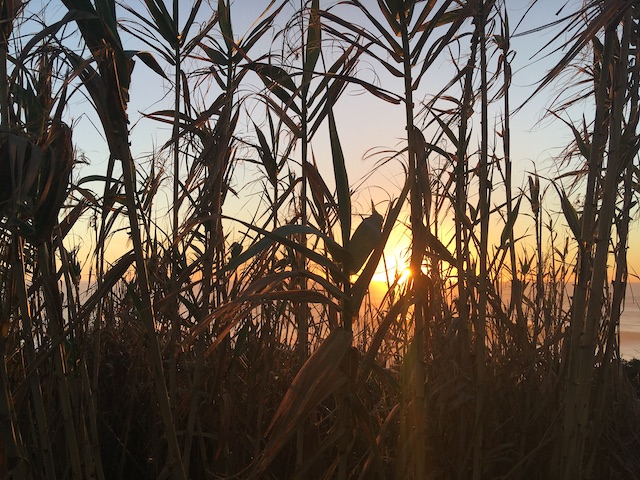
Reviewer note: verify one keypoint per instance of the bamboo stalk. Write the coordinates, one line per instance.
(483, 209)
(600, 261)
(53, 307)
(569, 458)
(418, 249)
(42, 423)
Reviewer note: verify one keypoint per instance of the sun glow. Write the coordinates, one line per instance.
(392, 269)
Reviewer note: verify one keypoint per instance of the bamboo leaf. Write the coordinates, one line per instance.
(282, 114)
(534, 194)
(390, 9)
(456, 18)
(190, 21)
(114, 275)
(263, 27)
(164, 24)
(448, 132)
(148, 59)
(392, 45)
(318, 378)
(582, 142)
(422, 18)
(385, 324)
(508, 228)
(97, 178)
(342, 182)
(266, 157)
(437, 247)
(314, 38)
(570, 214)
(224, 18)
(215, 55)
(280, 235)
(606, 14)
(271, 76)
(444, 19)
(394, 51)
(362, 283)
(364, 240)
(276, 74)
(324, 200)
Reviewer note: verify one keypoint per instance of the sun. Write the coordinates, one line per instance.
(393, 268)
(405, 274)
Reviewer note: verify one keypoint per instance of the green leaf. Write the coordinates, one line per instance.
(314, 38)
(148, 59)
(164, 23)
(266, 157)
(224, 18)
(362, 283)
(342, 182)
(364, 240)
(570, 214)
(390, 9)
(508, 228)
(281, 236)
(437, 247)
(274, 73)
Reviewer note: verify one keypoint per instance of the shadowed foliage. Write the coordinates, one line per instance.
(148, 331)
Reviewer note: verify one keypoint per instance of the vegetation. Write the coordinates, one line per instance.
(254, 347)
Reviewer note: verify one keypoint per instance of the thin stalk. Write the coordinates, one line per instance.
(4, 87)
(194, 403)
(12, 450)
(91, 438)
(302, 320)
(301, 313)
(610, 362)
(461, 175)
(120, 150)
(53, 308)
(418, 250)
(9, 449)
(506, 146)
(175, 135)
(481, 318)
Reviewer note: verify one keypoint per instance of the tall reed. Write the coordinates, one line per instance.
(223, 345)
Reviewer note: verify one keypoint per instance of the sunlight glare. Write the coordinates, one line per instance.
(395, 269)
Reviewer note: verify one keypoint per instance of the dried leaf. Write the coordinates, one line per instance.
(318, 378)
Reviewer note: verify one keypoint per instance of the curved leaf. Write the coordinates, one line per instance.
(342, 181)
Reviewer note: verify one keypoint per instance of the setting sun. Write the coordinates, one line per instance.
(393, 268)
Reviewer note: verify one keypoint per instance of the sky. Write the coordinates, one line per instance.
(367, 125)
